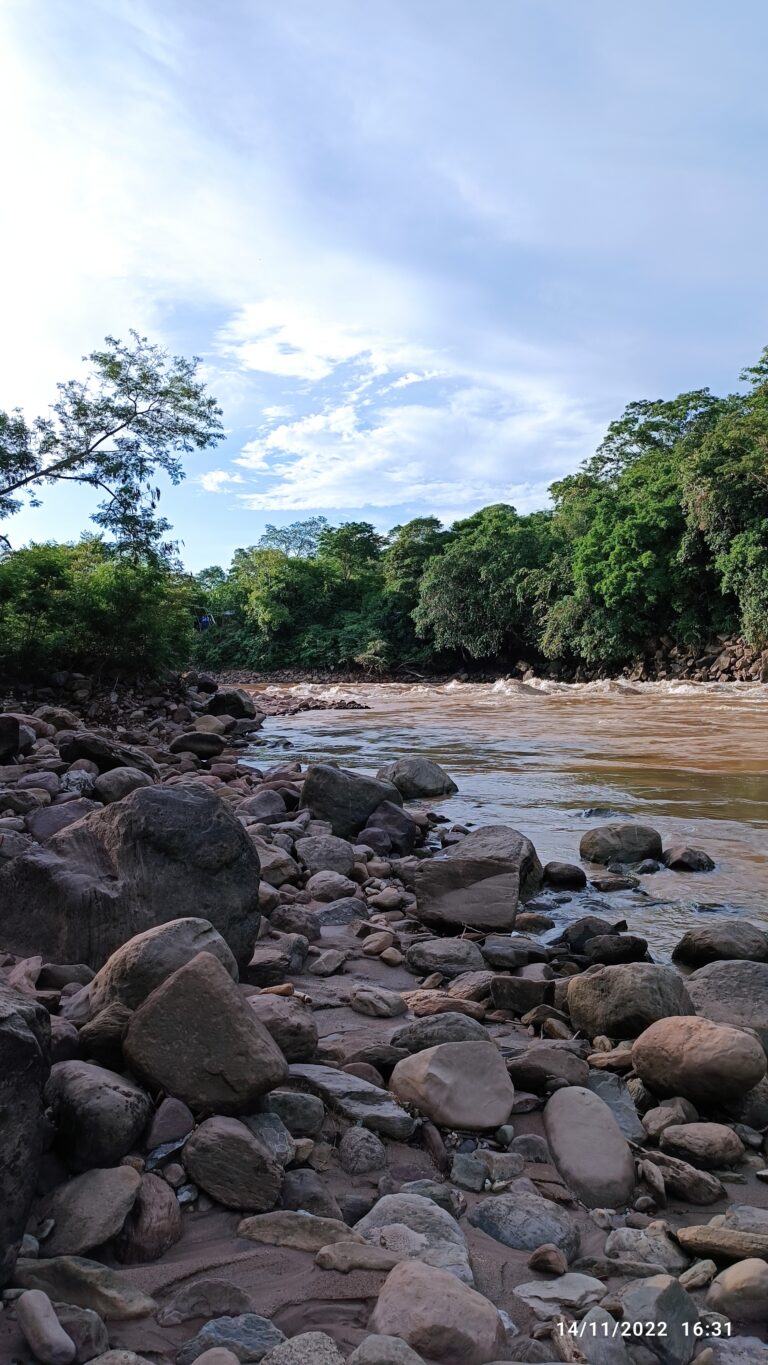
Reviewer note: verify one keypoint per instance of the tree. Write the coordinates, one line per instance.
(136, 413)
(299, 539)
(352, 548)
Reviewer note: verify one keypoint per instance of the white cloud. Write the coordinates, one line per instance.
(217, 480)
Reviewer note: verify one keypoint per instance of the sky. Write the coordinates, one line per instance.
(425, 249)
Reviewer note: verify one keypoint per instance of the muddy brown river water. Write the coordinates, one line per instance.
(553, 759)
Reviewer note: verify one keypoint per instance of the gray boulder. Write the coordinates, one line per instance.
(98, 1115)
(620, 843)
(733, 993)
(343, 798)
(721, 941)
(119, 782)
(524, 1221)
(133, 971)
(480, 881)
(417, 776)
(124, 868)
(104, 751)
(25, 1045)
(589, 1149)
(623, 1000)
(435, 1237)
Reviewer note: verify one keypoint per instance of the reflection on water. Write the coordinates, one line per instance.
(689, 758)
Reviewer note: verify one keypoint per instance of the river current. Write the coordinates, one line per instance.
(553, 759)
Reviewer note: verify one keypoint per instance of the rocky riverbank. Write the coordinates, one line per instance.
(293, 1070)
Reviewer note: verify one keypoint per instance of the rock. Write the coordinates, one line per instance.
(571, 1292)
(376, 1001)
(356, 1100)
(711, 1145)
(343, 911)
(116, 872)
(457, 1085)
(521, 993)
(277, 866)
(416, 776)
(653, 1245)
(44, 823)
(119, 782)
(548, 1260)
(612, 1090)
(722, 940)
(399, 828)
(289, 1228)
(290, 1022)
(565, 876)
(104, 751)
(730, 993)
(343, 798)
(361, 1151)
(88, 1284)
(248, 1336)
(683, 859)
(661, 1300)
(13, 843)
(384, 1350)
(42, 1330)
(706, 1062)
(538, 1066)
(684, 1180)
(623, 1000)
(206, 1298)
(439, 1028)
(25, 1047)
(9, 737)
(589, 1149)
(198, 742)
(302, 1115)
(418, 1228)
(304, 1191)
(347, 1256)
(733, 1350)
(325, 853)
(101, 1039)
(437, 1316)
(226, 1160)
(85, 1328)
(308, 1348)
(739, 1234)
(98, 1115)
(480, 881)
(146, 960)
(233, 701)
(449, 956)
(741, 1291)
(523, 1221)
(90, 1210)
(172, 1121)
(600, 1339)
(270, 1131)
(328, 963)
(620, 843)
(153, 1225)
(218, 1355)
(196, 1037)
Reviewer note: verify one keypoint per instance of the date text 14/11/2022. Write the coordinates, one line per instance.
(639, 1329)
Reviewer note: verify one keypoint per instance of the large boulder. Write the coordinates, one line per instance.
(721, 941)
(436, 1315)
(124, 868)
(524, 1220)
(291, 1023)
(620, 843)
(25, 1045)
(233, 701)
(449, 956)
(589, 1149)
(480, 881)
(98, 1115)
(344, 798)
(417, 776)
(705, 1062)
(133, 971)
(325, 853)
(119, 782)
(196, 1038)
(622, 1000)
(227, 1160)
(458, 1085)
(104, 751)
(89, 1210)
(436, 1238)
(733, 993)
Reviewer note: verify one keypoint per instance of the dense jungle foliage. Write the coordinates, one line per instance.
(662, 534)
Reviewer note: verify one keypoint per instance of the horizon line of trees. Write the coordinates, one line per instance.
(662, 533)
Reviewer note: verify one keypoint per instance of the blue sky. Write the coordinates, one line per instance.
(426, 248)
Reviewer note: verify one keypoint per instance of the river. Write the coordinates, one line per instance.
(553, 759)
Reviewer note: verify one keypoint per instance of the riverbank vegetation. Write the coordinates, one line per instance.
(661, 536)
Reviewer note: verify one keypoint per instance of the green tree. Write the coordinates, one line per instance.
(135, 414)
(300, 538)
